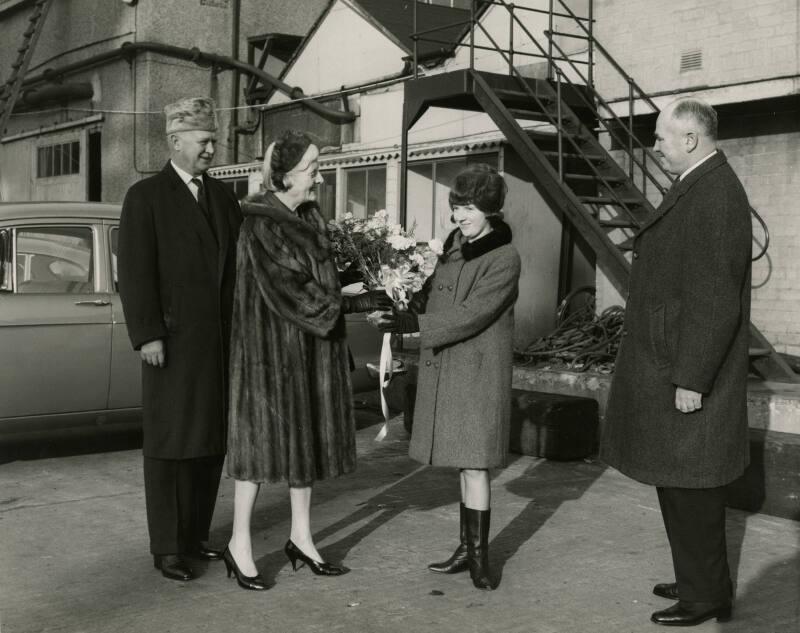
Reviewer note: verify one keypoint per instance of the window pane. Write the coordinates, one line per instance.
(419, 205)
(75, 158)
(57, 150)
(114, 235)
(55, 260)
(376, 190)
(446, 171)
(356, 188)
(326, 195)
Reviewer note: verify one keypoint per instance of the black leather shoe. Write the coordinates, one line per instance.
(692, 613)
(668, 590)
(205, 553)
(254, 583)
(173, 567)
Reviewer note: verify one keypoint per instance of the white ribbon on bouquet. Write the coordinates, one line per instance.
(385, 371)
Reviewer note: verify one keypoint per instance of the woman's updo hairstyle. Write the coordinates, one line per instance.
(283, 155)
(481, 185)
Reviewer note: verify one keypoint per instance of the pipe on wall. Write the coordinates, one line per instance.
(195, 55)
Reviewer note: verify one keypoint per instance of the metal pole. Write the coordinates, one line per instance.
(591, 43)
(560, 137)
(404, 165)
(414, 19)
(511, 39)
(550, 43)
(471, 34)
(630, 128)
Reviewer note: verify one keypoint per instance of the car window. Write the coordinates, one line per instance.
(55, 260)
(114, 235)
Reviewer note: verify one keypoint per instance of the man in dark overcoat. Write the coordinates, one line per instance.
(677, 412)
(177, 245)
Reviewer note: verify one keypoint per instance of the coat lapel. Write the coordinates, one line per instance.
(681, 187)
(219, 204)
(185, 202)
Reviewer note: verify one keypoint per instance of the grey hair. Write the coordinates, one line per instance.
(700, 111)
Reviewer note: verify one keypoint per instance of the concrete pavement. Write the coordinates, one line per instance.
(578, 547)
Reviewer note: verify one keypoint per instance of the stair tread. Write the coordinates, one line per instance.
(618, 222)
(554, 153)
(607, 177)
(536, 113)
(604, 200)
(626, 245)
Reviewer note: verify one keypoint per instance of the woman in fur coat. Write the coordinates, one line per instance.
(465, 318)
(291, 412)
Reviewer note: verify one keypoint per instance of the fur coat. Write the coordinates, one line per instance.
(291, 415)
(466, 325)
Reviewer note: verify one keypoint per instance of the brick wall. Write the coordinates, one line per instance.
(740, 40)
(768, 167)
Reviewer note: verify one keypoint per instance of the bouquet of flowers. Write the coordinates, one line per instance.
(387, 257)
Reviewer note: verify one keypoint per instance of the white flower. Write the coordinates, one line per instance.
(347, 216)
(400, 242)
(382, 215)
(396, 229)
(418, 259)
(436, 246)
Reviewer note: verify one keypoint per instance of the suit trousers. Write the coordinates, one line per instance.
(180, 495)
(695, 522)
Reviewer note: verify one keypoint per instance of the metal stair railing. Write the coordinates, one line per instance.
(557, 122)
(9, 92)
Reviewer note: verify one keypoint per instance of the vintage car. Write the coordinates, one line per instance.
(66, 363)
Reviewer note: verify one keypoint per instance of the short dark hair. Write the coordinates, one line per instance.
(479, 184)
(700, 111)
(289, 149)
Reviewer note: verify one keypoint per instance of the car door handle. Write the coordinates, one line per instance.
(96, 302)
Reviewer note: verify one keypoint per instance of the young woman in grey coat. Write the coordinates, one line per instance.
(465, 317)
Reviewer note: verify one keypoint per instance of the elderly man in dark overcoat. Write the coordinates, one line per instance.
(677, 411)
(177, 244)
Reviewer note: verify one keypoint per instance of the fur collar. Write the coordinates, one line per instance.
(305, 227)
(499, 236)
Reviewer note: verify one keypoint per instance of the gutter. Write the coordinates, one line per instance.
(130, 49)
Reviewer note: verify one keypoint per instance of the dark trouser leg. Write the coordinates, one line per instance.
(161, 499)
(180, 495)
(695, 523)
(207, 473)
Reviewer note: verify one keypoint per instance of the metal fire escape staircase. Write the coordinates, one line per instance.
(9, 91)
(553, 125)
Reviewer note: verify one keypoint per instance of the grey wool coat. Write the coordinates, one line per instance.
(176, 279)
(466, 322)
(291, 416)
(686, 324)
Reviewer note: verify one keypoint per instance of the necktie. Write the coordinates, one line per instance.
(202, 202)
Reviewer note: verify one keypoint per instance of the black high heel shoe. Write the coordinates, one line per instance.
(294, 553)
(256, 583)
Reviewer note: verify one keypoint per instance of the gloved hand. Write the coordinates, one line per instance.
(400, 322)
(367, 302)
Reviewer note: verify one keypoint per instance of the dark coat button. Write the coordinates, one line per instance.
(441, 286)
(428, 363)
(636, 254)
(449, 287)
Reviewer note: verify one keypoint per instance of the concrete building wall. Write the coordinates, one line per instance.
(130, 96)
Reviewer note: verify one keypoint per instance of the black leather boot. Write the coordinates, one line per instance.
(478, 548)
(458, 561)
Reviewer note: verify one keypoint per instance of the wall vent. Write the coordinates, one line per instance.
(691, 60)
